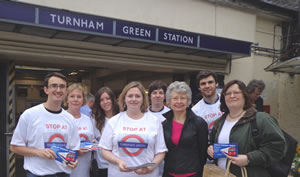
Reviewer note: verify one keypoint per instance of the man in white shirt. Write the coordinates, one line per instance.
(209, 106)
(43, 125)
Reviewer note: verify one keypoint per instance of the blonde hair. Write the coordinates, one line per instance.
(72, 88)
(134, 84)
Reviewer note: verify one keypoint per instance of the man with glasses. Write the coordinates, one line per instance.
(255, 88)
(209, 106)
(44, 125)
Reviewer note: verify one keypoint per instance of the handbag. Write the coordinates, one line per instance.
(243, 170)
(212, 170)
(94, 166)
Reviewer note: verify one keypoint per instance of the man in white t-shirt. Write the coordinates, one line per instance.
(157, 94)
(209, 106)
(42, 126)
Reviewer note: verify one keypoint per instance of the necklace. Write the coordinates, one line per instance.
(239, 115)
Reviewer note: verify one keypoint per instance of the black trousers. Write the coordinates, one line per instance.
(29, 174)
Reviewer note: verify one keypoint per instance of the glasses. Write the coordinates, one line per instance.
(55, 86)
(230, 93)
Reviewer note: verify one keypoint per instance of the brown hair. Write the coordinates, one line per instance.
(155, 85)
(54, 74)
(204, 74)
(97, 111)
(245, 93)
(134, 84)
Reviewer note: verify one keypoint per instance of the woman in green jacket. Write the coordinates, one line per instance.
(234, 127)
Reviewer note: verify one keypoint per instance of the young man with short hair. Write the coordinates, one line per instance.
(209, 106)
(43, 124)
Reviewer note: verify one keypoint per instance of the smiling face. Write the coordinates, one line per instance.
(234, 97)
(75, 99)
(105, 103)
(208, 86)
(178, 101)
(56, 90)
(133, 99)
(157, 97)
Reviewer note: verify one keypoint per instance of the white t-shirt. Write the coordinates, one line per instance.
(102, 163)
(224, 138)
(86, 133)
(160, 116)
(37, 126)
(209, 112)
(123, 134)
(160, 113)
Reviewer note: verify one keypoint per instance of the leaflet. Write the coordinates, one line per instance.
(220, 149)
(64, 155)
(141, 166)
(89, 146)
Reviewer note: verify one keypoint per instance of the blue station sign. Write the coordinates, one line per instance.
(177, 37)
(75, 21)
(134, 30)
(16, 12)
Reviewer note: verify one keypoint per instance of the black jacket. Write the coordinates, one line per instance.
(191, 153)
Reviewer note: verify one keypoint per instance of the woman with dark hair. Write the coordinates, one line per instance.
(105, 107)
(235, 127)
(134, 137)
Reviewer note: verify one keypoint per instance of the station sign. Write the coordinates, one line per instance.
(178, 37)
(17, 12)
(75, 21)
(135, 30)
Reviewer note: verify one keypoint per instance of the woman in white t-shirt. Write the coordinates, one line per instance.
(133, 137)
(74, 100)
(105, 107)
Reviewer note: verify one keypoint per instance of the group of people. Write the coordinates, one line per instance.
(138, 139)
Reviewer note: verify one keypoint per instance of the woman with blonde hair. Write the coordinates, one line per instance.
(133, 137)
(74, 100)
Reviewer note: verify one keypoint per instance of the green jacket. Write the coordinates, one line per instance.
(272, 145)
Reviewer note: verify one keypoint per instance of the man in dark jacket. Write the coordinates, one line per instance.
(255, 88)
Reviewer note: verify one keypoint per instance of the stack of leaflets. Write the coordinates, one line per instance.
(141, 166)
(64, 155)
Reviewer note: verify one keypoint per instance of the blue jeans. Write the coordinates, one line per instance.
(29, 174)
